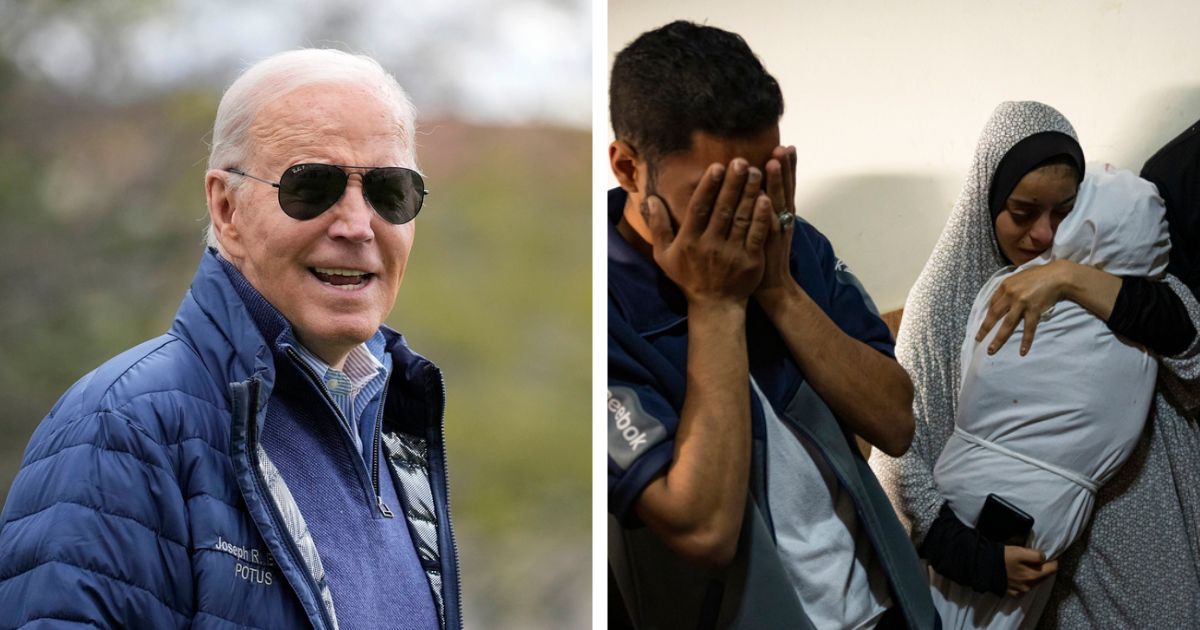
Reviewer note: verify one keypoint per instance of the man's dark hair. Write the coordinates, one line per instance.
(686, 77)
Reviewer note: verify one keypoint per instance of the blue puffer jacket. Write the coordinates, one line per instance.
(145, 499)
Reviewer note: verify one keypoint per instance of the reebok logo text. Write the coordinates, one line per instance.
(634, 437)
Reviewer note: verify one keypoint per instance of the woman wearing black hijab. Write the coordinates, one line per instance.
(1140, 563)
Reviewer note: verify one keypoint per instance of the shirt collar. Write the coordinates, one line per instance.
(364, 363)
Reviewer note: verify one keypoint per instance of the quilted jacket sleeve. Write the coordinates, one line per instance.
(94, 529)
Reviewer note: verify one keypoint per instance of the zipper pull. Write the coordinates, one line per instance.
(383, 508)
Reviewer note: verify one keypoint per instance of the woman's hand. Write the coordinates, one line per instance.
(1025, 295)
(1025, 568)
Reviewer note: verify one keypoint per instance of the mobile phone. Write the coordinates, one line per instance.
(1003, 522)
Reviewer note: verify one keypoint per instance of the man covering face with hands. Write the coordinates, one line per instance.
(743, 359)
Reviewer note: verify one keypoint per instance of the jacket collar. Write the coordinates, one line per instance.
(237, 333)
(221, 326)
(639, 290)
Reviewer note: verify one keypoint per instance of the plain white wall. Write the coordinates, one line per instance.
(885, 101)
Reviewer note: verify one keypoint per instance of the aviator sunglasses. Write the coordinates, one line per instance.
(307, 190)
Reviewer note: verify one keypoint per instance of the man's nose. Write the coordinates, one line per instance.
(352, 214)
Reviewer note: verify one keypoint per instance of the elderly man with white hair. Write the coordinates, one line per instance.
(276, 459)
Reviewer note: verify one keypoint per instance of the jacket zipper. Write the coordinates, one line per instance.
(383, 508)
(261, 485)
(446, 488)
(379, 504)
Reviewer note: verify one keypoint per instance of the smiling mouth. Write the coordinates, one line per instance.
(344, 279)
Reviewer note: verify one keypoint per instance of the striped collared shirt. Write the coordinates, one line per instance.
(360, 381)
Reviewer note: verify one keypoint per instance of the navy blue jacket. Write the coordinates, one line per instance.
(647, 367)
(145, 498)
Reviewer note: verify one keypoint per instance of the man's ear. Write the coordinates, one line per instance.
(222, 208)
(624, 161)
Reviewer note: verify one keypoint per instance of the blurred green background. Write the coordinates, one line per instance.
(105, 109)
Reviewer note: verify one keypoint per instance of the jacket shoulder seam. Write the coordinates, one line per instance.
(166, 340)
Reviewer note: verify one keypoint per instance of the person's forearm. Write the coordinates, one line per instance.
(867, 390)
(697, 506)
(957, 551)
(1157, 318)
(1149, 312)
(1091, 288)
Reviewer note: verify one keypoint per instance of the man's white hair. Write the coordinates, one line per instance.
(285, 72)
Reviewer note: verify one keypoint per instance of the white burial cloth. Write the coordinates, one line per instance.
(1045, 430)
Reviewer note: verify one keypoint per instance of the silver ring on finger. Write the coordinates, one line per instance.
(786, 218)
